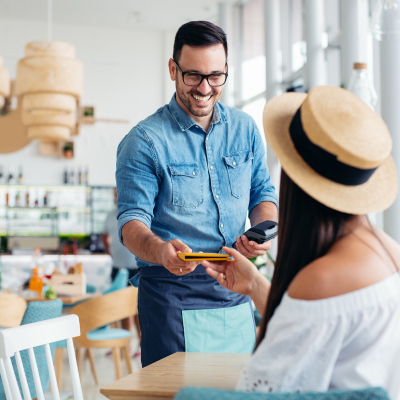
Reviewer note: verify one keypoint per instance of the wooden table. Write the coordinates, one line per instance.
(66, 300)
(163, 379)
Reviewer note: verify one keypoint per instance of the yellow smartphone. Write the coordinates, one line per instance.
(203, 256)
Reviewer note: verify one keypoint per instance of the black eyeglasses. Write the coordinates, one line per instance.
(195, 79)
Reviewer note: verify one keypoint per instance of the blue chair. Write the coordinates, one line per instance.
(193, 393)
(35, 312)
(120, 281)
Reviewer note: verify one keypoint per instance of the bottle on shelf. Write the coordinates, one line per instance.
(27, 200)
(72, 176)
(7, 198)
(17, 199)
(45, 198)
(1, 175)
(86, 175)
(65, 176)
(36, 200)
(80, 175)
(20, 175)
(11, 176)
(75, 247)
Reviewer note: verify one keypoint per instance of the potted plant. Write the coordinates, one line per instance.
(68, 150)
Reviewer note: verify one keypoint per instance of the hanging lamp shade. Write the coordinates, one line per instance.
(4, 83)
(49, 82)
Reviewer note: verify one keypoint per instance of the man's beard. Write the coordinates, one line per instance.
(185, 99)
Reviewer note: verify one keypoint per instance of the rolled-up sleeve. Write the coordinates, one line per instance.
(137, 179)
(262, 188)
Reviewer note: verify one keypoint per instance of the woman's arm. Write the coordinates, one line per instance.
(240, 276)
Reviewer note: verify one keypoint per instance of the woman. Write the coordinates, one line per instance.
(332, 318)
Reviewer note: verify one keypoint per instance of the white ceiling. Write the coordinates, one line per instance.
(153, 14)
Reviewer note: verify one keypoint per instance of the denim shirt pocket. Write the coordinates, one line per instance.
(239, 166)
(187, 187)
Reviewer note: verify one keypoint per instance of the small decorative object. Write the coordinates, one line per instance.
(4, 83)
(50, 294)
(50, 82)
(361, 85)
(68, 150)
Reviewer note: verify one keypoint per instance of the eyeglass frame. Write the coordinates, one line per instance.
(202, 76)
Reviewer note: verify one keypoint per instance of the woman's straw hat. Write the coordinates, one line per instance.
(332, 145)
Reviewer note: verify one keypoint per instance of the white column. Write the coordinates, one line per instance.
(272, 44)
(286, 36)
(390, 92)
(354, 38)
(238, 56)
(314, 27)
(333, 58)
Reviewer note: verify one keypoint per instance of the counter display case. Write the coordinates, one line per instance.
(53, 210)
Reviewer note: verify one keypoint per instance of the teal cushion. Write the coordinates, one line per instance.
(192, 393)
(107, 334)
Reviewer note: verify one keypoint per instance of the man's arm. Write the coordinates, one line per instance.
(266, 210)
(142, 242)
(138, 182)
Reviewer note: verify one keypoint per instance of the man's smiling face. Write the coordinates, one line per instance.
(199, 100)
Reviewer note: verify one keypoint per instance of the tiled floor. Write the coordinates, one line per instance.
(105, 371)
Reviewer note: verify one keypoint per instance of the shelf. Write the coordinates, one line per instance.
(28, 208)
(59, 209)
(76, 188)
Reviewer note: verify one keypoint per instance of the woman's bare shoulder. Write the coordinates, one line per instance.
(351, 265)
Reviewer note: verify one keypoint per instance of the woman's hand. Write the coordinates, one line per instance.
(239, 275)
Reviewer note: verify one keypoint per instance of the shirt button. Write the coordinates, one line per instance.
(222, 225)
(194, 173)
(211, 167)
(234, 163)
(217, 196)
(207, 138)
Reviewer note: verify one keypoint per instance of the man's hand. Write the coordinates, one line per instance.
(172, 262)
(251, 249)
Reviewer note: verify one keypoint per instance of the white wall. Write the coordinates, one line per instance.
(124, 77)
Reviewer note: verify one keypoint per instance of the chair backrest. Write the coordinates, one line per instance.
(12, 309)
(120, 281)
(27, 337)
(35, 312)
(105, 310)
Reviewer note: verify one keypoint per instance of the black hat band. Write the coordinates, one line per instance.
(321, 161)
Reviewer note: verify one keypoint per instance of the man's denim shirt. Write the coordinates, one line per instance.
(188, 184)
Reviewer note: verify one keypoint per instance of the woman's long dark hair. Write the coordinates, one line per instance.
(307, 230)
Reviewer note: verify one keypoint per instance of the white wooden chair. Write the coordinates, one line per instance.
(26, 337)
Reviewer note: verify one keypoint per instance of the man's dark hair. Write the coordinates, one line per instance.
(198, 34)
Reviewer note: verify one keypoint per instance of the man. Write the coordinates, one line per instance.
(186, 178)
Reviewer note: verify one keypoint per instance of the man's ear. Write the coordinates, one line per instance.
(172, 69)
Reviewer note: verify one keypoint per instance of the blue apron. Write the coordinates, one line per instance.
(191, 313)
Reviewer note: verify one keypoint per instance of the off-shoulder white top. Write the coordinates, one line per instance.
(349, 341)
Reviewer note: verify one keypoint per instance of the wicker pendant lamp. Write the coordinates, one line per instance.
(49, 84)
(4, 83)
